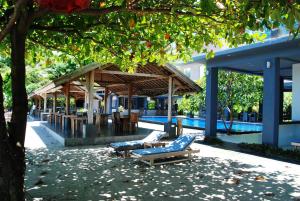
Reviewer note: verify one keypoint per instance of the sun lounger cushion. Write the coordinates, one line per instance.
(152, 137)
(126, 144)
(180, 144)
(296, 141)
(155, 136)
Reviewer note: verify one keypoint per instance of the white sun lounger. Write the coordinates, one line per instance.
(126, 146)
(296, 143)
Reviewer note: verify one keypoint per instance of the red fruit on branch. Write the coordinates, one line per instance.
(131, 23)
(67, 6)
(167, 36)
(242, 30)
(102, 4)
(148, 44)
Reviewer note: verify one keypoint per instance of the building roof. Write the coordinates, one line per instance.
(149, 80)
(252, 58)
(202, 57)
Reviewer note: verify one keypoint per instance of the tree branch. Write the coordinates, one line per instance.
(14, 18)
(62, 29)
(47, 46)
(166, 11)
(96, 41)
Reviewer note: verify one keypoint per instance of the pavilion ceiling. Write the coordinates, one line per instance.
(149, 80)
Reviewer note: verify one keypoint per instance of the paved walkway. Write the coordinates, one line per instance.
(94, 173)
(37, 137)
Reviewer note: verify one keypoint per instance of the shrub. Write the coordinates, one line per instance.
(271, 151)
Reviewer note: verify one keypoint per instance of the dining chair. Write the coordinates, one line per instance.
(117, 124)
(134, 121)
(179, 126)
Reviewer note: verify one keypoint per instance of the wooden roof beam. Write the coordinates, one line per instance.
(106, 83)
(148, 80)
(153, 89)
(116, 85)
(132, 74)
(76, 91)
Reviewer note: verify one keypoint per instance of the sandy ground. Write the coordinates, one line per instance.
(95, 173)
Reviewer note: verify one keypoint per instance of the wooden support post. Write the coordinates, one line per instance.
(85, 100)
(105, 100)
(90, 77)
(169, 124)
(36, 102)
(45, 102)
(67, 98)
(129, 98)
(170, 100)
(75, 101)
(54, 102)
(40, 107)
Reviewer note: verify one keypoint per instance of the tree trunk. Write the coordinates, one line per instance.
(4, 155)
(17, 127)
(12, 146)
(229, 129)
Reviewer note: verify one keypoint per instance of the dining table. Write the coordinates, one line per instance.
(57, 119)
(65, 123)
(77, 121)
(51, 117)
(44, 116)
(101, 120)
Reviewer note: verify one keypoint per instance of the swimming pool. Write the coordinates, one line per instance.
(198, 123)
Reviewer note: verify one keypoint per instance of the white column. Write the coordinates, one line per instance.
(90, 96)
(296, 93)
(170, 100)
(45, 102)
(40, 104)
(85, 104)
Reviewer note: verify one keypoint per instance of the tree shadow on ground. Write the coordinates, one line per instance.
(94, 173)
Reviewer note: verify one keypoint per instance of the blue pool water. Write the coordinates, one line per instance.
(200, 123)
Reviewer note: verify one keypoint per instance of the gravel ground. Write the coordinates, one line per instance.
(95, 173)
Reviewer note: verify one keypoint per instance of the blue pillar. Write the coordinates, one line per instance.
(281, 100)
(145, 103)
(271, 102)
(211, 102)
(145, 106)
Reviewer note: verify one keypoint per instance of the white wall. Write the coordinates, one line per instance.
(296, 93)
(196, 70)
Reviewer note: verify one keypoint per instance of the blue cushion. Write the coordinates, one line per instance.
(180, 144)
(295, 140)
(127, 144)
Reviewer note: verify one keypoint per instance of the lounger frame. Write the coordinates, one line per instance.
(126, 150)
(150, 159)
(296, 145)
